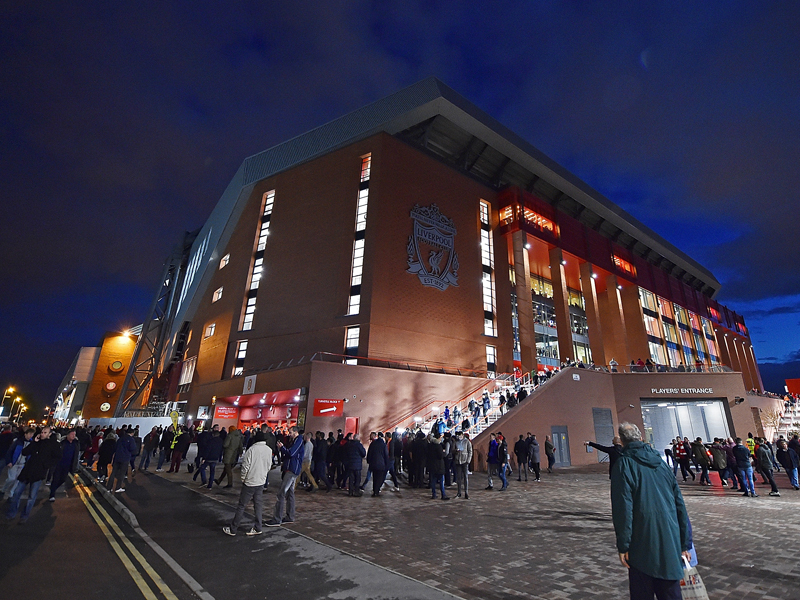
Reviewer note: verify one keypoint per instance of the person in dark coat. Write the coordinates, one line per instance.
(521, 453)
(70, 454)
(211, 451)
(419, 457)
(105, 454)
(436, 465)
(789, 460)
(320, 459)
(42, 453)
(534, 455)
(614, 451)
(378, 461)
(165, 447)
(742, 455)
(125, 449)
(650, 519)
(353, 453)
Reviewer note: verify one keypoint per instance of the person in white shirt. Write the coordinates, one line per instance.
(256, 463)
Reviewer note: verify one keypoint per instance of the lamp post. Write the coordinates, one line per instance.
(11, 412)
(7, 394)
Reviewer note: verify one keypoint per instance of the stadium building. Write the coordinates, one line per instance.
(409, 255)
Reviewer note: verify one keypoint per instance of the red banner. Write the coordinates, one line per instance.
(326, 407)
(226, 412)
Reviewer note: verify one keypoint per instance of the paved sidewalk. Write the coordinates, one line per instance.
(545, 540)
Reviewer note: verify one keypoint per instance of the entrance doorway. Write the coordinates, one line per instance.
(561, 443)
(351, 425)
(693, 418)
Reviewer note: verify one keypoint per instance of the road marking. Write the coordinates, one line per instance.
(168, 594)
(135, 575)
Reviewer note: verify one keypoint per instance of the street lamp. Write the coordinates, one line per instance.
(11, 412)
(7, 394)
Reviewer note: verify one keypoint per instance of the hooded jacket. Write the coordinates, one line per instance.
(649, 515)
(232, 447)
(700, 454)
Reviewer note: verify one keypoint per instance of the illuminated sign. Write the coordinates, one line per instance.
(226, 412)
(326, 407)
(681, 390)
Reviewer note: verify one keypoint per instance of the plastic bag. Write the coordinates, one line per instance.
(692, 587)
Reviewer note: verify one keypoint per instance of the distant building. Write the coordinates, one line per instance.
(93, 382)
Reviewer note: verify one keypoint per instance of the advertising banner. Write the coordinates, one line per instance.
(226, 412)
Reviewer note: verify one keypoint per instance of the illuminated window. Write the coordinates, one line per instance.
(224, 261)
(714, 313)
(541, 286)
(351, 336)
(623, 265)
(651, 326)
(487, 276)
(357, 266)
(506, 215)
(665, 307)
(538, 221)
(187, 371)
(648, 300)
(249, 311)
(366, 164)
(217, 295)
(257, 272)
(670, 334)
(210, 329)
(241, 353)
(491, 361)
(681, 316)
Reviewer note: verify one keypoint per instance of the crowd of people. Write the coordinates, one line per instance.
(737, 461)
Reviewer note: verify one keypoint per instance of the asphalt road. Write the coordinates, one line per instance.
(75, 544)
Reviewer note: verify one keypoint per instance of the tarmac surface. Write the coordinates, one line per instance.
(552, 539)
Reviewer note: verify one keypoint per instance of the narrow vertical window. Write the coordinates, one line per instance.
(249, 309)
(241, 353)
(210, 329)
(351, 336)
(491, 361)
(357, 265)
(217, 295)
(223, 262)
(487, 272)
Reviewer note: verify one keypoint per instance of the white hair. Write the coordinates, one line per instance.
(629, 432)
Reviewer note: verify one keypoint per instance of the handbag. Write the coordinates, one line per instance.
(692, 587)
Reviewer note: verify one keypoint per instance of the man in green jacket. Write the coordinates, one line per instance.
(650, 519)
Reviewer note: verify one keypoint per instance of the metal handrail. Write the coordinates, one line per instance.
(664, 369)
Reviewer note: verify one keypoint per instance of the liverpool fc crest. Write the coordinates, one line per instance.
(430, 249)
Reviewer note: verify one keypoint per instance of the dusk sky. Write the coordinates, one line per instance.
(122, 124)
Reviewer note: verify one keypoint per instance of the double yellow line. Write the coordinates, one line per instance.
(104, 522)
